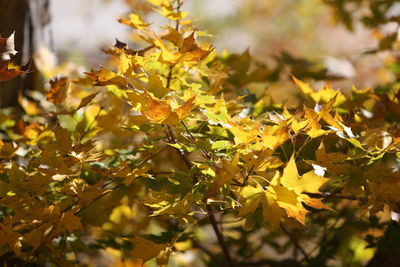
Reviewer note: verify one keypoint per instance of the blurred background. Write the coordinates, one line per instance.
(346, 43)
(322, 40)
(301, 28)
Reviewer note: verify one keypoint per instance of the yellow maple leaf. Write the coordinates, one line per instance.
(134, 21)
(173, 36)
(287, 199)
(157, 111)
(130, 177)
(104, 76)
(156, 86)
(146, 249)
(168, 11)
(286, 192)
(274, 136)
(126, 63)
(321, 96)
(256, 196)
(290, 190)
(167, 56)
(7, 235)
(185, 109)
(30, 107)
(160, 111)
(243, 135)
(313, 127)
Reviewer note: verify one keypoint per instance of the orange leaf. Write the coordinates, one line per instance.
(58, 90)
(157, 111)
(184, 110)
(8, 74)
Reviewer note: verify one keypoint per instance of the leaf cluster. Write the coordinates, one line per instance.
(141, 158)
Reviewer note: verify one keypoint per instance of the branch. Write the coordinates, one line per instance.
(296, 244)
(334, 196)
(213, 221)
(189, 163)
(220, 238)
(194, 140)
(263, 262)
(207, 251)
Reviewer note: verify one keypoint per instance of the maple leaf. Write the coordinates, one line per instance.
(292, 188)
(157, 111)
(7, 73)
(145, 249)
(308, 182)
(322, 96)
(104, 76)
(243, 135)
(156, 86)
(273, 137)
(225, 172)
(287, 192)
(58, 90)
(30, 131)
(173, 36)
(160, 111)
(384, 193)
(184, 110)
(86, 100)
(256, 196)
(313, 127)
(131, 176)
(167, 56)
(7, 150)
(191, 52)
(30, 107)
(12, 238)
(334, 162)
(86, 194)
(168, 11)
(71, 222)
(135, 21)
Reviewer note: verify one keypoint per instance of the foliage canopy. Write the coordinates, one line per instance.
(141, 159)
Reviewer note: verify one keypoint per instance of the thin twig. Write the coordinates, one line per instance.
(248, 174)
(89, 127)
(189, 165)
(195, 140)
(334, 196)
(220, 239)
(178, 8)
(295, 243)
(208, 252)
(302, 146)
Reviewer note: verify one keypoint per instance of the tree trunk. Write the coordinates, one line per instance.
(27, 18)
(13, 17)
(388, 253)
